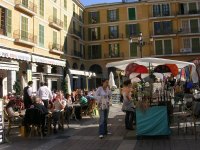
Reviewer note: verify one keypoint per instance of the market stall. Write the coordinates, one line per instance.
(153, 119)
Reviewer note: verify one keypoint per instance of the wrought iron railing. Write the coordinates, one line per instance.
(25, 36)
(27, 4)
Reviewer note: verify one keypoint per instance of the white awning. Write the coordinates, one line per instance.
(9, 66)
(50, 61)
(82, 73)
(14, 54)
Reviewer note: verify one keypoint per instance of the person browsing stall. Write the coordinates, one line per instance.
(103, 95)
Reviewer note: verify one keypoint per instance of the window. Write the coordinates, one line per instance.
(65, 4)
(133, 49)
(80, 15)
(192, 8)
(163, 47)
(24, 28)
(5, 21)
(196, 45)
(131, 14)
(113, 32)
(194, 25)
(114, 50)
(113, 15)
(94, 33)
(94, 51)
(183, 8)
(161, 28)
(41, 35)
(41, 8)
(54, 40)
(25, 3)
(93, 17)
(65, 22)
(161, 10)
(132, 30)
(186, 43)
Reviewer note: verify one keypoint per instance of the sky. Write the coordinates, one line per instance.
(90, 2)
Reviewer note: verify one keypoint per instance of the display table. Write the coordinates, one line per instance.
(153, 121)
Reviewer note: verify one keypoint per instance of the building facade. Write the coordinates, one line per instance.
(170, 29)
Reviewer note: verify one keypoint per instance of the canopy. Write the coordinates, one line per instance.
(154, 62)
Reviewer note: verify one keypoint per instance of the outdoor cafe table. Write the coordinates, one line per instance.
(152, 121)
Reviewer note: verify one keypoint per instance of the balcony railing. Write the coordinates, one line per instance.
(164, 32)
(24, 37)
(55, 22)
(197, 12)
(26, 6)
(114, 36)
(120, 55)
(55, 48)
(189, 30)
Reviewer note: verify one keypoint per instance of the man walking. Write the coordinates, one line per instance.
(28, 95)
(44, 93)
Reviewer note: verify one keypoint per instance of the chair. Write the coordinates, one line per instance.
(12, 121)
(34, 120)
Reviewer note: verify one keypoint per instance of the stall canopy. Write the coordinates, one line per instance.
(155, 62)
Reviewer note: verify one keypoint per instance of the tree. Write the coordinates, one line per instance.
(64, 85)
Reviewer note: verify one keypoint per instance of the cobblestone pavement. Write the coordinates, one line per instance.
(83, 135)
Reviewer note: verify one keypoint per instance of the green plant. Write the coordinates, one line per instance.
(17, 87)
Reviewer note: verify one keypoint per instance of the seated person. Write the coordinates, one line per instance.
(13, 115)
(68, 109)
(58, 106)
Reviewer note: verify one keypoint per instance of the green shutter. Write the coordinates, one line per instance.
(65, 44)
(195, 45)
(108, 15)
(158, 46)
(41, 35)
(65, 22)
(168, 46)
(89, 34)
(42, 8)
(54, 14)
(137, 28)
(9, 23)
(99, 33)
(98, 17)
(131, 14)
(127, 31)
(54, 38)
(192, 8)
(133, 49)
(24, 28)
(117, 13)
(89, 18)
(25, 3)
(194, 26)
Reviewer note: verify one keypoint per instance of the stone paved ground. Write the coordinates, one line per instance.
(83, 135)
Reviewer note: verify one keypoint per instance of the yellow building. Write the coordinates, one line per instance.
(170, 29)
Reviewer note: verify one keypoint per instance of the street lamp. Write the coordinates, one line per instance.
(140, 42)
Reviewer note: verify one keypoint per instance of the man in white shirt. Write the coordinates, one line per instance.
(44, 93)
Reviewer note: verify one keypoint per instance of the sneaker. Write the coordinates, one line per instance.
(101, 136)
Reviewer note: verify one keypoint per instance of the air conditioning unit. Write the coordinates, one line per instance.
(186, 50)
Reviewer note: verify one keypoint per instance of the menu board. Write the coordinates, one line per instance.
(115, 98)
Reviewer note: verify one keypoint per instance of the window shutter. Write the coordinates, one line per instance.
(65, 45)
(89, 18)
(168, 46)
(133, 49)
(98, 17)
(117, 31)
(159, 49)
(99, 33)
(137, 28)
(195, 45)
(9, 22)
(194, 26)
(127, 31)
(108, 15)
(131, 13)
(89, 34)
(117, 13)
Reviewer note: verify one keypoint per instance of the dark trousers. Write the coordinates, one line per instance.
(103, 119)
(46, 103)
(129, 119)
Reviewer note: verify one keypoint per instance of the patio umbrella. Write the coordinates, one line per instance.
(130, 68)
(69, 90)
(112, 81)
(162, 69)
(173, 68)
(140, 69)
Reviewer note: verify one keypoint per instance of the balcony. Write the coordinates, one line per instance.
(115, 56)
(189, 31)
(55, 48)
(161, 16)
(188, 13)
(23, 37)
(27, 7)
(164, 33)
(112, 37)
(75, 33)
(55, 23)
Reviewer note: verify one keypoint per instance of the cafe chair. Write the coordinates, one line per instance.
(33, 121)
(12, 121)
